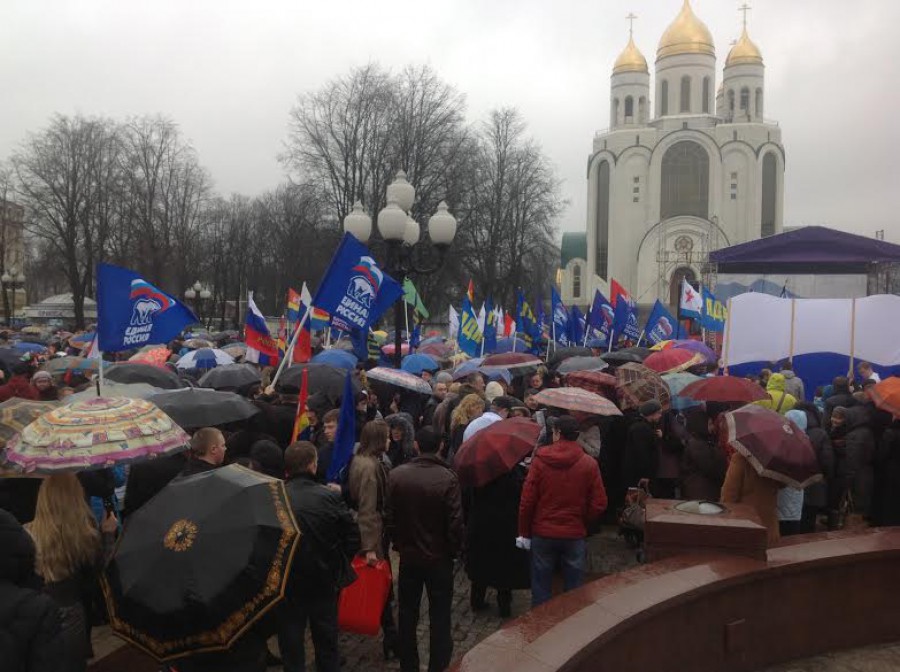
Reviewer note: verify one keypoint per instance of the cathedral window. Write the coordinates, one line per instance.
(642, 109)
(602, 223)
(731, 101)
(769, 194)
(685, 94)
(576, 281)
(759, 102)
(629, 107)
(685, 181)
(745, 99)
(706, 95)
(615, 114)
(664, 98)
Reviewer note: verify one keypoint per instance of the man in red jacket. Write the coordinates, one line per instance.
(562, 494)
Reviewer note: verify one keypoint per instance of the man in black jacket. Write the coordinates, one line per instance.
(329, 536)
(641, 462)
(424, 520)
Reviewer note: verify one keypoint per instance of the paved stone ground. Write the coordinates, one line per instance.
(884, 658)
(607, 554)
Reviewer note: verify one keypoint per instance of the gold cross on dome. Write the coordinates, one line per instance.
(744, 9)
(630, 18)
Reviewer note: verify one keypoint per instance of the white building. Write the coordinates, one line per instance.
(680, 172)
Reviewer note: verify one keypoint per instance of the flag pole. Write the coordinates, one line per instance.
(290, 348)
(641, 337)
(100, 372)
(612, 337)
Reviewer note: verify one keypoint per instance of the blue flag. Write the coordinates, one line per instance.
(600, 319)
(560, 318)
(490, 326)
(132, 313)
(354, 290)
(345, 436)
(661, 326)
(526, 327)
(576, 326)
(469, 338)
(625, 320)
(714, 312)
(360, 340)
(416, 336)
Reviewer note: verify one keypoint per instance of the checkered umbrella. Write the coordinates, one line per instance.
(398, 378)
(577, 399)
(637, 384)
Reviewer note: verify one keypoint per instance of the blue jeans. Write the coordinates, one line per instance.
(545, 552)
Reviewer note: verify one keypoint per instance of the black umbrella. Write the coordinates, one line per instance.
(135, 372)
(581, 364)
(620, 357)
(9, 358)
(230, 377)
(199, 563)
(561, 354)
(195, 407)
(329, 380)
(638, 350)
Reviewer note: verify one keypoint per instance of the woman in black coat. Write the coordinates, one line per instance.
(703, 463)
(492, 559)
(887, 465)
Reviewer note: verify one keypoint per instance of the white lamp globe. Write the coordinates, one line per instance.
(412, 233)
(358, 224)
(392, 222)
(401, 192)
(442, 225)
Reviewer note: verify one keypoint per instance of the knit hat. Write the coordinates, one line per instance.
(443, 377)
(648, 408)
(493, 390)
(41, 375)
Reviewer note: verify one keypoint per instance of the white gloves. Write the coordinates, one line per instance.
(523, 543)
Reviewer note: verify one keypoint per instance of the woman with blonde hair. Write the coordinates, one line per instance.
(471, 407)
(367, 487)
(70, 552)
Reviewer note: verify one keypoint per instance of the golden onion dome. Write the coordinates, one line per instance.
(630, 60)
(744, 52)
(686, 35)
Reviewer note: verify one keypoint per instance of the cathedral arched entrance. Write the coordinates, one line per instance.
(679, 274)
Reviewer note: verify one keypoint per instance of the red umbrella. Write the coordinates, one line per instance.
(593, 381)
(518, 362)
(439, 350)
(775, 446)
(577, 399)
(725, 389)
(672, 360)
(495, 450)
(389, 349)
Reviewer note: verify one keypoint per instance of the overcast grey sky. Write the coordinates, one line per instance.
(228, 72)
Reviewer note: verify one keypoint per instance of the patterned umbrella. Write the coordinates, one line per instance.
(676, 383)
(135, 372)
(94, 434)
(672, 360)
(204, 358)
(593, 381)
(495, 450)
(199, 564)
(698, 347)
(16, 414)
(157, 356)
(577, 399)
(398, 378)
(885, 395)
(519, 363)
(637, 384)
(573, 364)
(725, 389)
(775, 446)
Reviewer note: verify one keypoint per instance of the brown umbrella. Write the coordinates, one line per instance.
(637, 384)
(593, 381)
(577, 399)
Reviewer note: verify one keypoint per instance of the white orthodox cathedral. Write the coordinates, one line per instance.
(682, 171)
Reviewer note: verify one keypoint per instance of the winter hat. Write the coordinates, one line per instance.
(269, 456)
(648, 408)
(444, 377)
(798, 417)
(493, 390)
(41, 375)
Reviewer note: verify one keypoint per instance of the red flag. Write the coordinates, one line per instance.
(301, 422)
(471, 291)
(303, 346)
(508, 323)
(616, 290)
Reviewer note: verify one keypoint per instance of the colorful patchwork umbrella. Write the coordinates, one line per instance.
(157, 356)
(93, 434)
(398, 378)
(495, 450)
(637, 384)
(577, 399)
(201, 562)
(672, 360)
(725, 389)
(775, 446)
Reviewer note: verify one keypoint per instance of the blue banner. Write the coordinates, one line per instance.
(354, 290)
(490, 326)
(576, 326)
(661, 326)
(469, 338)
(132, 313)
(345, 436)
(526, 325)
(600, 319)
(560, 318)
(625, 321)
(714, 312)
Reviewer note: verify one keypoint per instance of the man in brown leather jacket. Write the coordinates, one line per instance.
(424, 520)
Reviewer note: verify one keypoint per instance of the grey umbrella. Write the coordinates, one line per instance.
(195, 407)
(581, 364)
(135, 372)
(230, 377)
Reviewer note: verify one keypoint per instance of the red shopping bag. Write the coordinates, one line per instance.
(362, 602)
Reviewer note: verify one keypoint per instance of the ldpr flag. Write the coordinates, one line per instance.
(661, 326)
(691, 302)
(469, 338)
(490, 327)
(526, 324)
(354, 290)
(714, 312)
(560, 318)
(132, 313)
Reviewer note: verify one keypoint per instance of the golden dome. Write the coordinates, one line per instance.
(744, 51)
(686, 35)
(630, 60)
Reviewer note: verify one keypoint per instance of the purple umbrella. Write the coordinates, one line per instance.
(698, 347)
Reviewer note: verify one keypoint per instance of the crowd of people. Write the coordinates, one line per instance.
(400, 493)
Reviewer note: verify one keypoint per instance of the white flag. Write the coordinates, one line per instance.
(691, 301)
(453, 321)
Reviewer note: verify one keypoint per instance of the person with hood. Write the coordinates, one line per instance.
(840, 395)
(703, 463)
(563, 493)
(401, 448)
(854, 449)
(640, 463)
(815, 497)
(42, 382)
(792, 384)
(19, 384)
(30, 629)
(791, 500)
(779, 400)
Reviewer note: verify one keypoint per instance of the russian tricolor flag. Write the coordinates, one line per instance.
(262, 349)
